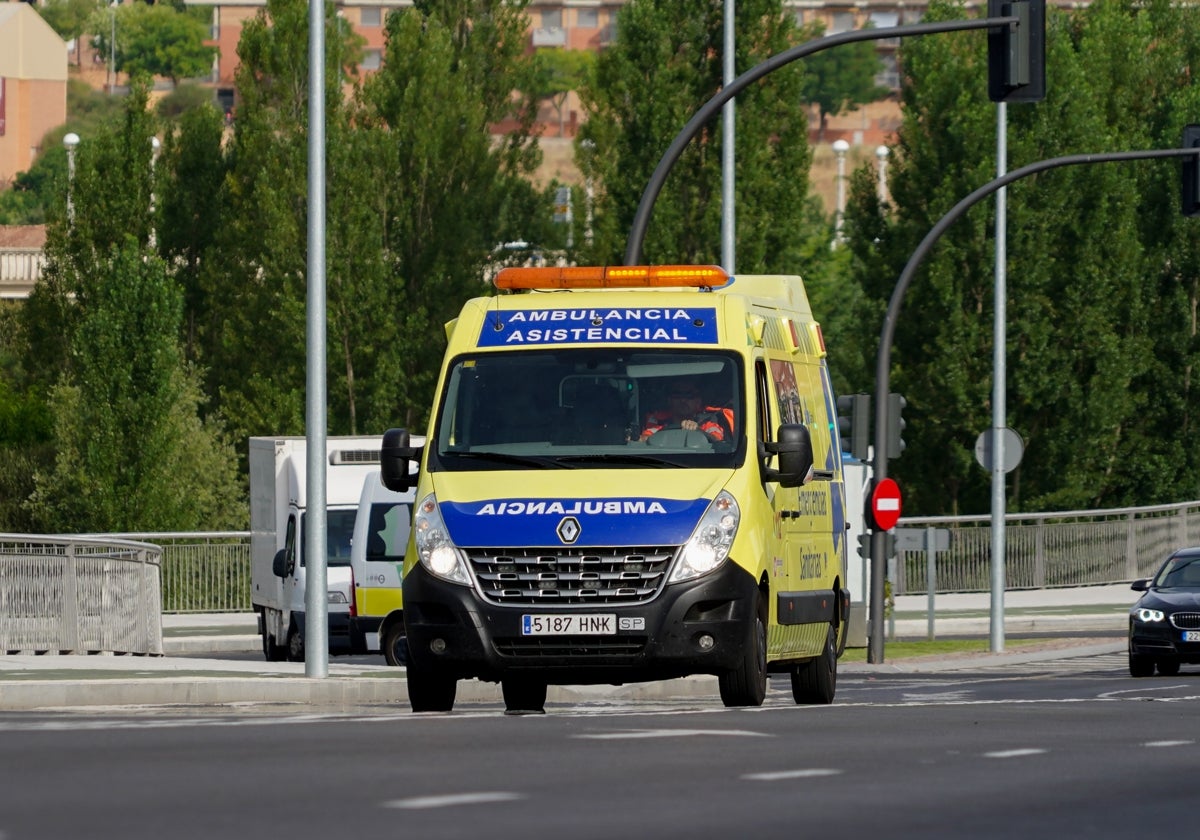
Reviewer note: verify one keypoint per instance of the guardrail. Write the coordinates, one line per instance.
(1042, 550)
(79, 595)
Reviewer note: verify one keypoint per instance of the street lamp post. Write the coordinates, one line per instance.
(112, 45)
(70, 142)
(155, 144)
(881, 153)
(840, 147)
(590, 146)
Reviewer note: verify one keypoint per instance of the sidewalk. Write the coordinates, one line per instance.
(48, 682)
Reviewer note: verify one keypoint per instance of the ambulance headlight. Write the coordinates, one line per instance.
(710, 542)
(434, 548)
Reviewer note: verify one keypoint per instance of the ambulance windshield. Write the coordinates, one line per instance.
(593, 408)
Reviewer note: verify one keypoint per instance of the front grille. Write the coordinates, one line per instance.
(567, 575)
(1186, 620)
(575, 647)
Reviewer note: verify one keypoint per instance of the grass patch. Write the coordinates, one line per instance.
(938, 647)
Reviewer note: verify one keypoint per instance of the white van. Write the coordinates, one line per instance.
(381, 532)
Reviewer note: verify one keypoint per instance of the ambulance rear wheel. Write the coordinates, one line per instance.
(815, 681)
(395, 645)
(523, 695)
(746, 685)
(429, 691)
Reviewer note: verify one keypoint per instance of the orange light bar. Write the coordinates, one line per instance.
(611, 277)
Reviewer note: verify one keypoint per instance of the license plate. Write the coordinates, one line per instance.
(590, 624)
(1191, 635)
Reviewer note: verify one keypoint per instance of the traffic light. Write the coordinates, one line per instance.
(854, 424)
(895, 440)
(1017, 53)
(864, 545)
(1191, 172)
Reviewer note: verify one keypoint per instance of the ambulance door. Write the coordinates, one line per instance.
(779, 395)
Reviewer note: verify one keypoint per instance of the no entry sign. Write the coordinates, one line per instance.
(885, 504)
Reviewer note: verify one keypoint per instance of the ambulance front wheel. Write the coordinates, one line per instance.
(746, 685)
(430, 691)
(815, 681)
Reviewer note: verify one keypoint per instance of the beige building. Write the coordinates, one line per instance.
(33, 86)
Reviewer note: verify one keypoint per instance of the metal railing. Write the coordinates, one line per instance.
(209, 571)
(1071, 548)
(79, 595)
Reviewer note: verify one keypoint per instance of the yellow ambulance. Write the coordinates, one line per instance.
(630, 474)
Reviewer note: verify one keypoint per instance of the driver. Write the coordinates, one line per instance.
(686, 409)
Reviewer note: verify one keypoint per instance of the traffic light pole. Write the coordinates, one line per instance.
(709, 110)
(883, 358)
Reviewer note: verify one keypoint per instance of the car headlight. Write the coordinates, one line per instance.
(335, 596)
(710, 542)
(1147, 616)
(434, 548)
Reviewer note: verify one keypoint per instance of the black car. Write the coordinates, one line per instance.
(1164, 625)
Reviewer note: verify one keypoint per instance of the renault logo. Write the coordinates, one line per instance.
(568, 530)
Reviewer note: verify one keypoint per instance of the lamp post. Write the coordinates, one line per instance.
(112, 45)
(154, 147)
(881, 153)
(70, 142)
(590, 145)
(840, 147)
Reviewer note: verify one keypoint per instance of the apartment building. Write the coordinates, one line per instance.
(33, 86)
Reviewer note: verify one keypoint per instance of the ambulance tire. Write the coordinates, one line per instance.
(523, 695)
(429, 691)
(747, 684)
(815, 681)
(395, 646)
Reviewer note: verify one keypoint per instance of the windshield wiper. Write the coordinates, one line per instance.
(618, 458)
(540, 463)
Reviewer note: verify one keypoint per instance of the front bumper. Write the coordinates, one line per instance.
(477, 639)
(1161, 639)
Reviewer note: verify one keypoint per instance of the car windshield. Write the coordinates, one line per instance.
(1179, 573)
(339, 530)
(591, 409)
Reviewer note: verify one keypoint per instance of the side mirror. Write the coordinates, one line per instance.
(793, 445)
(279, 564)
(396, 456)
(1140, 585)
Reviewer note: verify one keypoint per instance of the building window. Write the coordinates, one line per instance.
(842, 22)
(370, 16)
(552, 18)
(587, 18)
(372, 59)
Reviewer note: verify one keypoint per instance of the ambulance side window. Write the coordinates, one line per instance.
(762, 398)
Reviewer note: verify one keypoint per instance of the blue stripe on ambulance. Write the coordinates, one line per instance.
(630, 521)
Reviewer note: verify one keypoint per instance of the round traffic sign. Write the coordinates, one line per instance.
(885, 504)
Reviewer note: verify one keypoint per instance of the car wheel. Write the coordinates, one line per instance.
(295, 644)
(1140, 665)
(815, 681)
(395, 646)
(1168, 667)
(430, 691)
(746, 685)
(523, 695)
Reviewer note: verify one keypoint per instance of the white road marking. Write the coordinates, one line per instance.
(453, 800)
(1014, 753)
(791, 774)
(672, 733)
(1152, 744)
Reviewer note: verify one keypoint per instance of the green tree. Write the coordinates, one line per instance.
(841, 78)
(130, 452)
(158, 40)
(674, 49)
(559, 72)
(69, 18)
(1097, 250)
